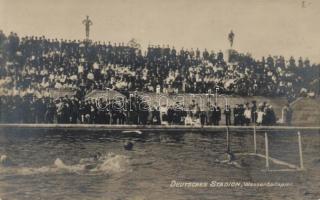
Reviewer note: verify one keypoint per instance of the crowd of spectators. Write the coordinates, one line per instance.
(134, 110)
(32, 66)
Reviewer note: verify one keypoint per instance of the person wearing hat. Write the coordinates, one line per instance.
(74, 111)
(170, 114)
(59, 106)
(260, 115)
(273, 116)
(247, 114)
(241, 115)
(50, 111)
(216, 115)
(254, 112)
(287, 114)
(82, 112)
(227, 113)
(203, 117)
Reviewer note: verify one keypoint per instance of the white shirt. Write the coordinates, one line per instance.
(260, 116)
(80, 69)
(247, 113)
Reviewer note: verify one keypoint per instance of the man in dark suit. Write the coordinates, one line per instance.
(216, 115)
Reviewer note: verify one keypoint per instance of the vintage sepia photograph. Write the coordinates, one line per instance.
(159, 100)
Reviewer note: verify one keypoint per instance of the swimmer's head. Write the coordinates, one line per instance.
(97, 156)
(128, 145)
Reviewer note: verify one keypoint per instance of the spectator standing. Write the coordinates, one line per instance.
(216, 115)
(287, 114)
(227, 113)
(247, 114)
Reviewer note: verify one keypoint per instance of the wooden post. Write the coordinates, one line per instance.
(217, 95)
(228, 140)
(267, 149)
(255, 138)
(300, 150)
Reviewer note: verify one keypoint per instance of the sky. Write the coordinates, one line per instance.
(261, 27)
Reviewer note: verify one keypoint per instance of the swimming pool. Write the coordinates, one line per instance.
(46, 164)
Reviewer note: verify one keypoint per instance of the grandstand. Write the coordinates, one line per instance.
(35, 71)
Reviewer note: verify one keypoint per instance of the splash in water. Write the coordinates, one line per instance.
(109, 163)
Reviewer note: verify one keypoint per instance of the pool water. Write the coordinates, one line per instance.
(55, 164)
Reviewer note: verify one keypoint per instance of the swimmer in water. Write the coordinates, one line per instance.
(91, 162)
(128, 145)
(97, 156)
(231, 160)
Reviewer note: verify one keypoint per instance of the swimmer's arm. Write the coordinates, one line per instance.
(222, 161)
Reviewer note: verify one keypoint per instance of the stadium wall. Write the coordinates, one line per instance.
(306, 112)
